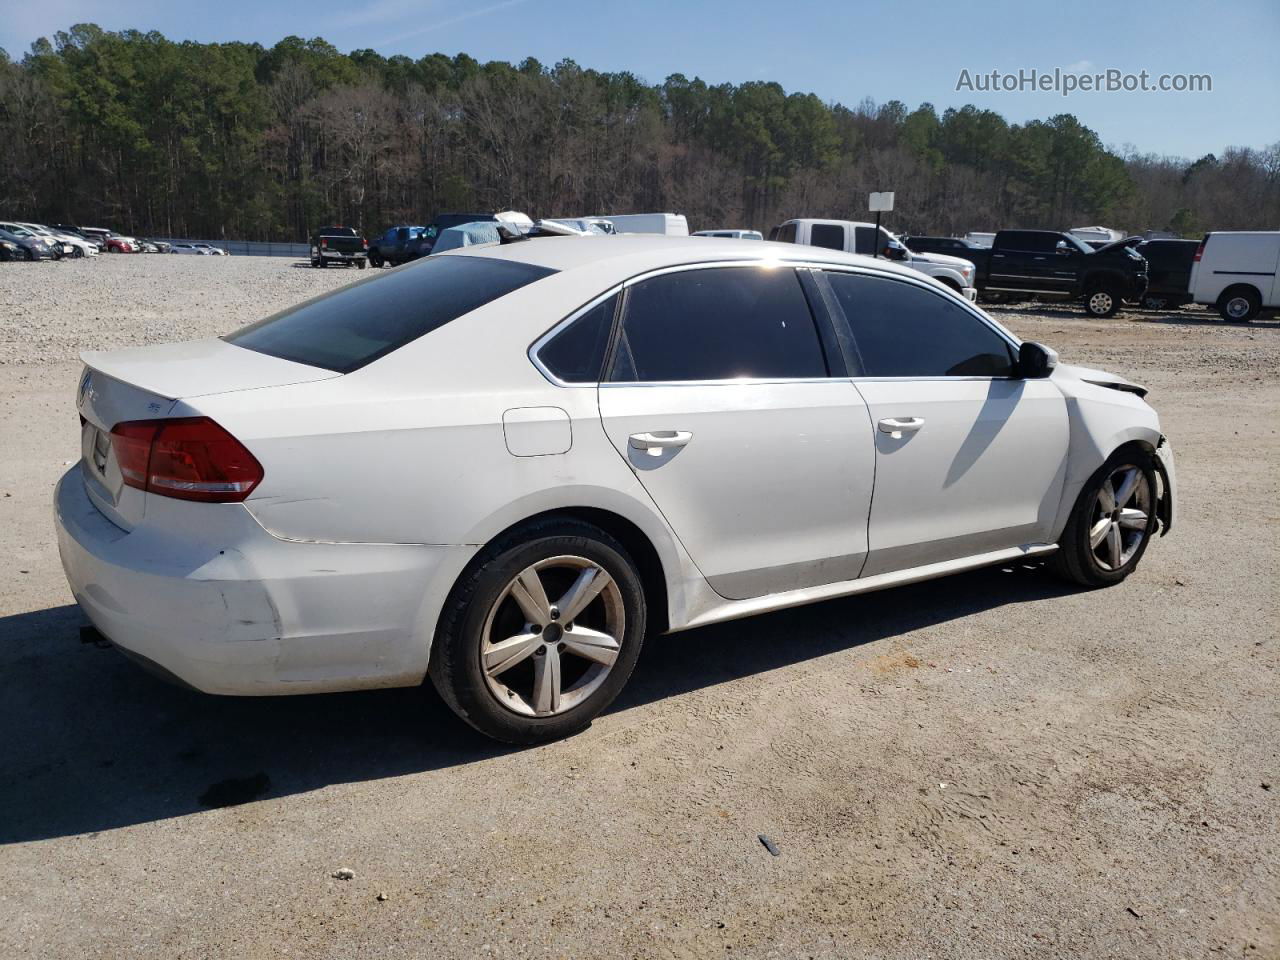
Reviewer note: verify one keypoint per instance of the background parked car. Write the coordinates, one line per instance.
(210, 249)
(11, 251)
(338, 245)
(188, 249)
(1237, 273)
(118, 243)
(72, 244)
(854, 237)
(43, 247)
(1169, 265)
(155, 246)
(33, 247)
(80, 232)
(399, 245)
(1048, 263)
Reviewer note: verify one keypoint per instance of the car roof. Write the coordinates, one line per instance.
(631, 254)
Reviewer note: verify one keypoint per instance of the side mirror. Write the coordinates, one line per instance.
(1062, 247)
(895, 251)
(1035, 360)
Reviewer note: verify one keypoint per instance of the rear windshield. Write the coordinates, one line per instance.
(351, 327)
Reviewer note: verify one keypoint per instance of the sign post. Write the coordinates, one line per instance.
(880, 202)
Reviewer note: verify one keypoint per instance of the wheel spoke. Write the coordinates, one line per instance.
(1132, 519)
(531, 596)
(504, 655)
(591, 644)
(1107, 496)
(1127, 486)
(1115, 546)
(578, 597)
(1099, 531)
(546, 682)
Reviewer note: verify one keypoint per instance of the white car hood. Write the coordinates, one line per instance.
(1100, 378)
(942, 259)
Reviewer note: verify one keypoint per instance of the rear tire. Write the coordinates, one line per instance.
(375, 260)
(533, 669)
(1239, 304)
(1111, 522)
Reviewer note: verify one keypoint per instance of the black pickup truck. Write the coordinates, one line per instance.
(1055, 265)
(338, 245)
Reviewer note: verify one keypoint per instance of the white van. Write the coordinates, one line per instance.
(1236, 272)
(734, 234)
(853, 237)
(671, 224)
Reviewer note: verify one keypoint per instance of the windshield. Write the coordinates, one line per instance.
(351, 327)
(1079, 244)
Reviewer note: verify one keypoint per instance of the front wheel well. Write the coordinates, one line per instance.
(636, 542)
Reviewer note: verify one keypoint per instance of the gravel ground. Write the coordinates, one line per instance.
(994, 765)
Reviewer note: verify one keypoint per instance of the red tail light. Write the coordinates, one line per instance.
(1199, 251)
(191, 458)
(324, 241)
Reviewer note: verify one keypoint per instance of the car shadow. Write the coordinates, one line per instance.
(93, 743)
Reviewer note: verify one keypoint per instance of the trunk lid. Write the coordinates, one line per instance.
(144, 383)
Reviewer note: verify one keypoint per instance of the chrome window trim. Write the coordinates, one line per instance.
(564, 324)
(924, 283)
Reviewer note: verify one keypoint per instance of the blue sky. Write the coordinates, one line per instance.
(839, 49)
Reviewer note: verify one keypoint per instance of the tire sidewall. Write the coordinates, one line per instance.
(1110, 311)
(1093, 570)
(455, 661)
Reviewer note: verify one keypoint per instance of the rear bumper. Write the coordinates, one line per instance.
(339, 256)
(241, 612)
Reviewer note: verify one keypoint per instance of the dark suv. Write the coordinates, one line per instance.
(1168, 272)
(399, 245)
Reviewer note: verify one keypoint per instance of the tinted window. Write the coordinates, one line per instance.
(827, 235)
(1029, 241)
(576, 353)
(787, 233)
(718, 324)
(906, 331)
(864, 240)
(356, 325)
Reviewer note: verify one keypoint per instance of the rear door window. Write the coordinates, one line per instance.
(351, 327)
(864, 240)
(903, 330)
(724, 323)
(829, 235)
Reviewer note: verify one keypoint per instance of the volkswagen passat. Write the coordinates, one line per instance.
(502, 467)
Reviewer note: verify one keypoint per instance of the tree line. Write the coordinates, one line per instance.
(240, 141)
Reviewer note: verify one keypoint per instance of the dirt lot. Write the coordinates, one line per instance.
(990, 766)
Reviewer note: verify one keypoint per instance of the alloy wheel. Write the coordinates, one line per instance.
(1121, 515)
(542, 658)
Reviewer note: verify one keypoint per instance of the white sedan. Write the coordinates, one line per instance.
(502, 467)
